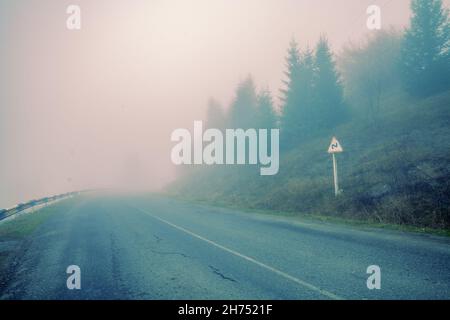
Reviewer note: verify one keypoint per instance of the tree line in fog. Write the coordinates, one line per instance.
(321, 91)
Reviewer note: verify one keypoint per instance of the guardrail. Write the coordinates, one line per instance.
(6, 213)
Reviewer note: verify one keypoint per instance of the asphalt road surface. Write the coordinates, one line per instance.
(160, 248)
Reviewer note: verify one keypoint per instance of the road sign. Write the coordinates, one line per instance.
(335, 146)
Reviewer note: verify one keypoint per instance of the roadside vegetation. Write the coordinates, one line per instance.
(388, 102)
(14, 232)
(24, 224)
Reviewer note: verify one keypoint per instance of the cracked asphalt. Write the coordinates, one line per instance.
(160, 248)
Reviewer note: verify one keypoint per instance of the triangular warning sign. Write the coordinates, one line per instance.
(335, 146)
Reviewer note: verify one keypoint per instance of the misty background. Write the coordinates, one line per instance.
(94, 108)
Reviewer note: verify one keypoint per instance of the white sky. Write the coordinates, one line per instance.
(95, 107)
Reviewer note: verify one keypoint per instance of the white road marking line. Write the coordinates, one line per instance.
(262, 265)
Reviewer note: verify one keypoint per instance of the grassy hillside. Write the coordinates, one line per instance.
(395, 169)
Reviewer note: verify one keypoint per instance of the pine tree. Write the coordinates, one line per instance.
(293, 66)
(215, 115)
(426, 48)
(297, 112)
(293, 98)
(306, 93)
(329, 101)
(243, 108)
(266, 117)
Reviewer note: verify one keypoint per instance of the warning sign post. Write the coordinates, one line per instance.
(335, 147)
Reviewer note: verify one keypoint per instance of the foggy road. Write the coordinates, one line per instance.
(160, 248)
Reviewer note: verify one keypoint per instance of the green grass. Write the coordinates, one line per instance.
(25, 224)
(22, 226)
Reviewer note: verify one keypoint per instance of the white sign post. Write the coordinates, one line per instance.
(335, 147)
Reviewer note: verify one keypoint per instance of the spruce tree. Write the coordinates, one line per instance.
(426, 49)
(297, 96)
(266, 117)
(215, 116)
(329, 101)
(243, 108)
(298, 113)
(306, 94)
